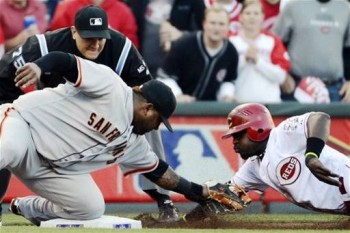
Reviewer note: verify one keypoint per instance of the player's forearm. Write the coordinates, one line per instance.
(58, 62)
(192, 191)
(166, 178)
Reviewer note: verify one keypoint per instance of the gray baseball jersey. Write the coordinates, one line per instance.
(63, 134)
(94, 118)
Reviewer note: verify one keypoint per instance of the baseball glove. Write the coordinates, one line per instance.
(207, 209)
(231, 196)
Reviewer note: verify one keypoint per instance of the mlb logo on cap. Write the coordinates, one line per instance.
(95, 21)
(92, 22)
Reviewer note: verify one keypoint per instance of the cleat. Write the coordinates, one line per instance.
(168, 212)
(14, 207)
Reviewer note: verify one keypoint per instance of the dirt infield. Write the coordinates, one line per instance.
(149, 221)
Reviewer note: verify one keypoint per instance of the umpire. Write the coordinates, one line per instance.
(89, 38)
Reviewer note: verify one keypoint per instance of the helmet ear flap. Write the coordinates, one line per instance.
(257, 135)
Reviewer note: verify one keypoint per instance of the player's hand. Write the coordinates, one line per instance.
(27, 75)
(288, 86)
(345, 92)
(322, 173)
(168, 32)
(33, 30)
(251, 55)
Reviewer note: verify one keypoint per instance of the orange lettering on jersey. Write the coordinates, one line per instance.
(97, 126)
(113, 135)
(106, 127)
(103, 127)
(118, 149)
(118, 152)
(92, 118)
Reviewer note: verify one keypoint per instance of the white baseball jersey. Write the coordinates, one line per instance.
(283, 168)
(85, 126)
(255, 80)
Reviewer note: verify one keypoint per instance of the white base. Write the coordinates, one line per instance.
(111, 222)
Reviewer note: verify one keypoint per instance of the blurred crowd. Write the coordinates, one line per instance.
(266, 51)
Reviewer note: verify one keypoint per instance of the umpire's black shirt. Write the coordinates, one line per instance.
(119, 54)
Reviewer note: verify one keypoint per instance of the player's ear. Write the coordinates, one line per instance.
(74, 32)
(149, 107)
(144, 108)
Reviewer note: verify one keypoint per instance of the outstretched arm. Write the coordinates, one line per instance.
(318, 126)
(213, 197)
(55, 62)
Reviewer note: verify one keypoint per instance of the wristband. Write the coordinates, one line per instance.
(190, 190)
(309, 156)
(315, 146)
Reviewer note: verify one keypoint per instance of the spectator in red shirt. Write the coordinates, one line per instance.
(271, 11)
(13, 14)
(120, 16)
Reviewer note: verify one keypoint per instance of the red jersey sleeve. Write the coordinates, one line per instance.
(279, 55)
(2, 39)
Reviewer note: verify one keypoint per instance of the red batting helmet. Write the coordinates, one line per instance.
(255, 118)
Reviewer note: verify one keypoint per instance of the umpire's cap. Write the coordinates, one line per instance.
(162, 97)
(92, 22)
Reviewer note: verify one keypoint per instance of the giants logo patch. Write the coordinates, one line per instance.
(288, 170)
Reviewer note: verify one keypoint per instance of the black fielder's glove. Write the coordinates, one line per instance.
(231, 196)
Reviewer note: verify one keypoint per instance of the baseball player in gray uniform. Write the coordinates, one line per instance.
(97, 43)
(52, 139)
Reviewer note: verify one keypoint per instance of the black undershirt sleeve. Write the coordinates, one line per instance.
(190, 190)
(158, 172)
(61, 63)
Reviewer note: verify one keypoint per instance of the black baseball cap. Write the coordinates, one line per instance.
(92, 22)
(162, 97)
